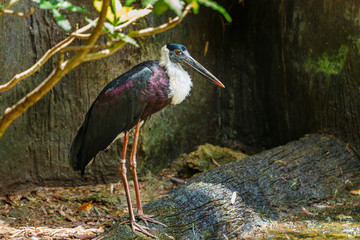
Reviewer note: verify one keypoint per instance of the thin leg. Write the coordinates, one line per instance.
(132, 162)
(123, 170)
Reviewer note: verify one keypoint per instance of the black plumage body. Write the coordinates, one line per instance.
(125, 101)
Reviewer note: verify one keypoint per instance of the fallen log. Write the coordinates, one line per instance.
(269, 185)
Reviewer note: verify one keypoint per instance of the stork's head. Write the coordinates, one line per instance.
(177, 53)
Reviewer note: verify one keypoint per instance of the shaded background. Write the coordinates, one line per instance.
(289, 67)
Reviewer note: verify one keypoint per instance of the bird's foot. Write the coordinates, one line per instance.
(137, 227)
(148, 218)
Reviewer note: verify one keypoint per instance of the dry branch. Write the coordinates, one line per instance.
(16, 110)
(19, 14)
(45, 57)
(137, 34)
(9, 5)
(63, 68)
(162, 28)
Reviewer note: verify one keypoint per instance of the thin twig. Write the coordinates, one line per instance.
(117, 28)
(35, 95)
(37, 65)
(105, 52)
(164, 27)
(93, 56)
(64, 43)
(19, 14)
(76, 48)
(60, 60)
(131, 21)
(11, 3)
(136, 34)
(81, 35)
(63, 68)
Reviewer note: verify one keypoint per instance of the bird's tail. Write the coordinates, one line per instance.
(75, 157)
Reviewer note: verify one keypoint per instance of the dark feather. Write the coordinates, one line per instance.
(126, 100)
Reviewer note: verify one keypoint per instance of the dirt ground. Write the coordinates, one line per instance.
(85, 212)
(71, 212)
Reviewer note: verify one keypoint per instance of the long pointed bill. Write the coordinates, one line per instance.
(198, 67)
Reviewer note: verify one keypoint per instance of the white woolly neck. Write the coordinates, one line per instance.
(179, 80)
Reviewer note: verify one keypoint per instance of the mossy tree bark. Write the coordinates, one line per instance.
(292, 68)
(269, 185)
(33, 150)
(289, 67)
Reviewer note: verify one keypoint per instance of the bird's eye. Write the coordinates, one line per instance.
(178, 52)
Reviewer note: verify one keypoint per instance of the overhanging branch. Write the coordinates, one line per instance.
(137, 34)
(18, 14)
(64, 43)
(63, 68)
(7, 6)
(23, 104)
(163, 27)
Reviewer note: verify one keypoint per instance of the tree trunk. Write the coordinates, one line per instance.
(33, 150)
(291, 69)
(269, 185)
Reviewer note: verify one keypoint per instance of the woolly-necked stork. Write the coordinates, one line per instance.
(129, 100)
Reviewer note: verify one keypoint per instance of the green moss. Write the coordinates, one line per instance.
(104, 198)
(329, 64)
(209, 156)
(356, 42)
(206, 235)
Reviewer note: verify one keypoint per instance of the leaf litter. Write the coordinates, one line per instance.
(84, 212)
(70, 212)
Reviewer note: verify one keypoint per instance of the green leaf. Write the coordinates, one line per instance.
(93, 22)
(61, 21)
(98, 5)
(55, 4)
(115, 7)
(147, 2)
(293, 184)
(175, 5)
(109, 28)
(195, 6)
(43, 4)
(129, 2)
(109, 13)
(160, 7)
(69, 6)
(96, 210)
(126, 39)
(216, 7)
(261, 210)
